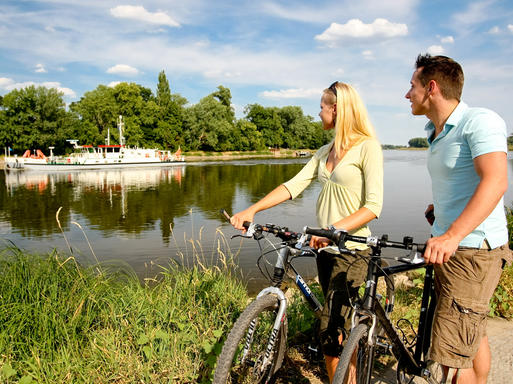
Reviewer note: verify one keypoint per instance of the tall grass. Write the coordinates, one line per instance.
(62, 323)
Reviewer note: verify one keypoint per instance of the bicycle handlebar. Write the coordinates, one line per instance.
(340, 236)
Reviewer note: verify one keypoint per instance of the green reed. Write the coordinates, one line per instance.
(64, 323)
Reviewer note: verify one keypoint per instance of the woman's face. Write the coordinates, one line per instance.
(327, 114)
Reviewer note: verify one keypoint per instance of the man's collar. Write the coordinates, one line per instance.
(453, 120)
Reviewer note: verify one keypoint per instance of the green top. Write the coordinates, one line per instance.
(355, 182)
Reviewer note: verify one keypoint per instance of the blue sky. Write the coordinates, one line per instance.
(274, 53)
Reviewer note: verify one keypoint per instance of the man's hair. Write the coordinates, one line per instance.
(445, 71)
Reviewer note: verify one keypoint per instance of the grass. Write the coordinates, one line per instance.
(63, 323)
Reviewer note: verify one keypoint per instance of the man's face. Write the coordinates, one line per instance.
(418, 95)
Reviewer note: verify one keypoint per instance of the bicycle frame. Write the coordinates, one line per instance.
(413, 361)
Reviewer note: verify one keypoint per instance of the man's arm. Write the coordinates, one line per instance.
(492, 170)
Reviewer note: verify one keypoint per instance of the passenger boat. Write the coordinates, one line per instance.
(100, 157)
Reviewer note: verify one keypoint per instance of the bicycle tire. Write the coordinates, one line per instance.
(229, 369)
(357, 341)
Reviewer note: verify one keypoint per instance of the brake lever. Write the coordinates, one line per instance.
(415, 257)
(302, 240)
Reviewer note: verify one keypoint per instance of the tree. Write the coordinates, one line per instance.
(98, 112)
(32, 118)
(268, 122)
(209, 125)
(418, 142)
(168, 130)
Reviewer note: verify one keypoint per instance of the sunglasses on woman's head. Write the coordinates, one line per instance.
(333, 88)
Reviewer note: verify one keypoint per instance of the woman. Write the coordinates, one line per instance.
(350, 169)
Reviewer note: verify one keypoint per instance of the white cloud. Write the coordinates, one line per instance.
(313, 13)
(447, 40)
(140, 13)
(112, 84)
(292, 93)
(494, 30)
(9, 85)
(436, 50)
(368, 54)
(510, 27)
(123, 69)
(357, 29)
(5, 82)
(40, 68)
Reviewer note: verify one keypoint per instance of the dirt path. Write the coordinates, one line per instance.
(500, 335)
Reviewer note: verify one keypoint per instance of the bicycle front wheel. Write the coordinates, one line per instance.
(357, 351)
(243, 357)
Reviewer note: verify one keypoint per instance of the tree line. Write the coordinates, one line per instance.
(37, 117)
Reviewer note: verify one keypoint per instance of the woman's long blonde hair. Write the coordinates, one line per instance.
(352, 122)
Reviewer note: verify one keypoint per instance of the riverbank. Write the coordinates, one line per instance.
(62, 322)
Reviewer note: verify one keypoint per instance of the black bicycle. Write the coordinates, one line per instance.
(255, 347)
(372, 331)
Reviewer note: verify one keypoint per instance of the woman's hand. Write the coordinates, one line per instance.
(239, 218)
(319, 242)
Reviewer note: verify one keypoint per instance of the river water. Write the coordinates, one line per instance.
(142, 218)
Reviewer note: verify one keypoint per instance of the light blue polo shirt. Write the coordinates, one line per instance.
(468, 133)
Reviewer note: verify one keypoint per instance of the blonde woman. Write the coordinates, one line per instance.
(350, 170)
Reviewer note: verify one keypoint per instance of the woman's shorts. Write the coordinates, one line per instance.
(340, 277)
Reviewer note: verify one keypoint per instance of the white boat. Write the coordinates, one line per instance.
(100, 157)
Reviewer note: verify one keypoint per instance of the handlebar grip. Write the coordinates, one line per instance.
(321, 232)
(246, 224)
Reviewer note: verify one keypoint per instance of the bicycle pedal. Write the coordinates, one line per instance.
(313, 349)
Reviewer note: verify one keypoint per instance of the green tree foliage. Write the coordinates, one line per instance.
(418, 142)
(268, 122)
(168, 130)
(33, 118)
(209, 125)
(37, 118)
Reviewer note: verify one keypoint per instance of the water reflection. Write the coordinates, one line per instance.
(140, 216)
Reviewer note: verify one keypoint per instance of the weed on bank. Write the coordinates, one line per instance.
(63, 323)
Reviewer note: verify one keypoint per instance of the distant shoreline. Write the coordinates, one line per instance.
(238, 155)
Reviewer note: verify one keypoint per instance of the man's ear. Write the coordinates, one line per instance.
(432, 85)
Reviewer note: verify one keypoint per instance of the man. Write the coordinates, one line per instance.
(468, 167)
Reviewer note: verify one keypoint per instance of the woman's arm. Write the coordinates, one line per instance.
(353, 221)
(286, 191)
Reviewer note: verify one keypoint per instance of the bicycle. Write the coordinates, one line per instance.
(255, 347)
(372, 330)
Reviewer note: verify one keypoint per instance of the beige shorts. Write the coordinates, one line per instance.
(464, 286)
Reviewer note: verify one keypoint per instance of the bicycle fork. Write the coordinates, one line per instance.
(280, 317)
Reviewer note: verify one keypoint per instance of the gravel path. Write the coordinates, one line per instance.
(500, 336)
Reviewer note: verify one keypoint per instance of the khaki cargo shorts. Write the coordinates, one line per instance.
(464, 286)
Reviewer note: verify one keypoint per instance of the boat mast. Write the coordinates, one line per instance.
(120, 128)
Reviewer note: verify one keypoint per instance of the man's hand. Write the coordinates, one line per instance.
(440, 249)
(319, 242)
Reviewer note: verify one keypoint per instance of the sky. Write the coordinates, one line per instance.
(270, 52)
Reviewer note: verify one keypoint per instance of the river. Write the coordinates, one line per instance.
(142, 218)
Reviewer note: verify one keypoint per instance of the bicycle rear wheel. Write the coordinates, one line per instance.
(242, 357)
(356, 344)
